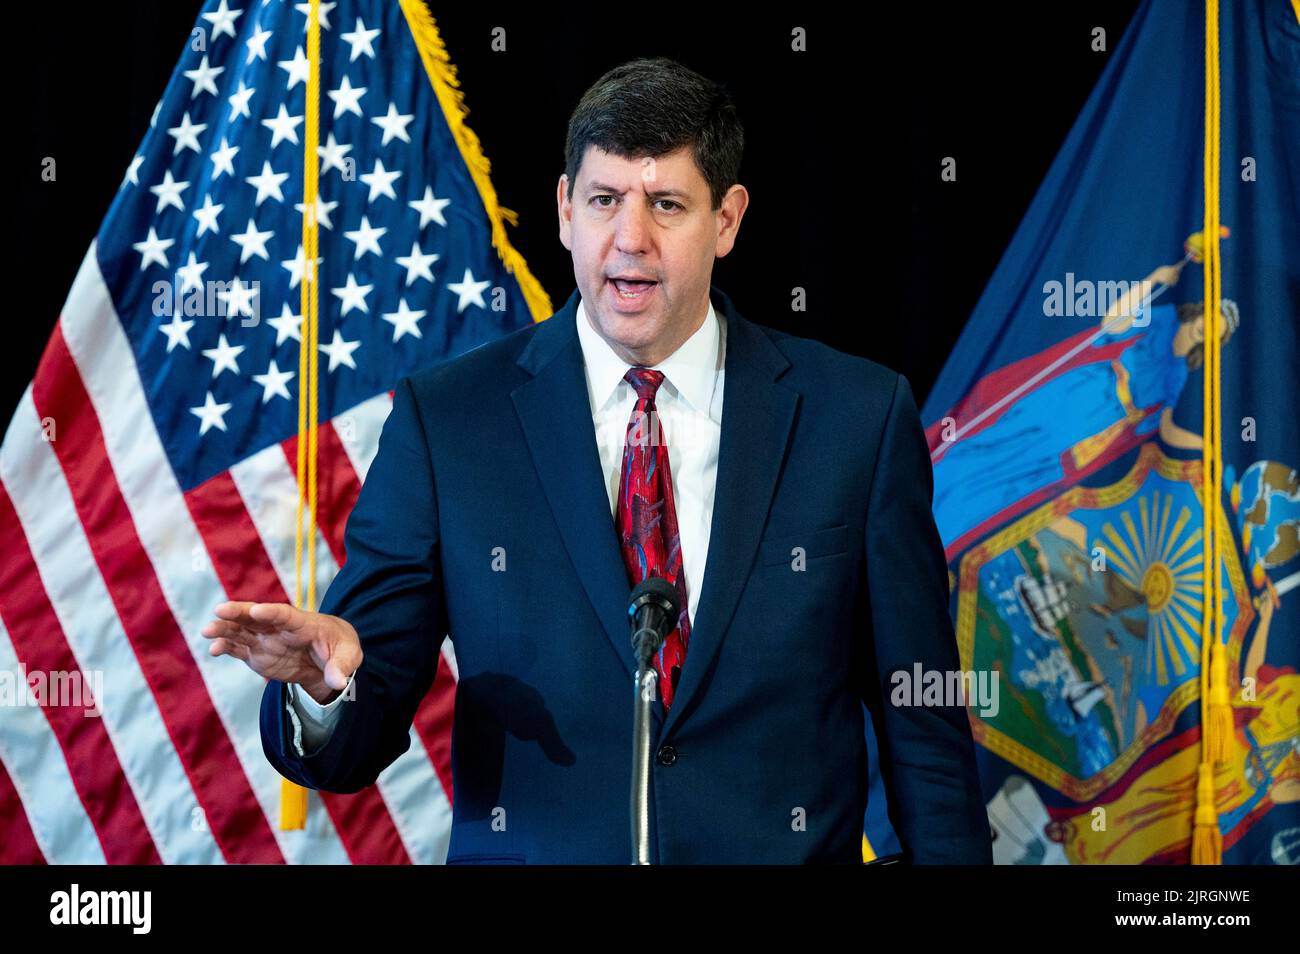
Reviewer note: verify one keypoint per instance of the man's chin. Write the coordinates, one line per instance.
(633, 332)
(611, 318)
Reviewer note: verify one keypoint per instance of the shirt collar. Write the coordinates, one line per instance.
(692, 369)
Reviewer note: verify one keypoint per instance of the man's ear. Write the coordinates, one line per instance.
(564, 210)
(729, 215)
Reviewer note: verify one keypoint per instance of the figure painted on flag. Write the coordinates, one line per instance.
(1120, 390)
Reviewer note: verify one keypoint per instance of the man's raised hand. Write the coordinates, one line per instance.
(278, 641)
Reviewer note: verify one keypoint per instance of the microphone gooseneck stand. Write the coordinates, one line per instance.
(652, 615)
(646, 684)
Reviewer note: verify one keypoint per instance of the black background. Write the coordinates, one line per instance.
(843, 145)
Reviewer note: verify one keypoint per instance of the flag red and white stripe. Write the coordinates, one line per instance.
(111, 568)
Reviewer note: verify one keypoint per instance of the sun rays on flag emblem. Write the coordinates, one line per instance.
(1162, 561)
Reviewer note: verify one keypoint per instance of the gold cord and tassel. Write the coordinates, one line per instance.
(1216, 708)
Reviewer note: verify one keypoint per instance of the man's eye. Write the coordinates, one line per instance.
(597, 200)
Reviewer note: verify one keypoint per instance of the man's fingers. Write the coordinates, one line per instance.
(261, 617)
(224, 647)
(277, 615)
(233, 610)
(232, 632)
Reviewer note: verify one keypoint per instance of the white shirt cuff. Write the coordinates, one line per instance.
(313, 723)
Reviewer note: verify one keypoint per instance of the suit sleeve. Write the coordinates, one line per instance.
(390, 590)
(927, 756)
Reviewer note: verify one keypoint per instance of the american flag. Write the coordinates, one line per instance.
(149, 472)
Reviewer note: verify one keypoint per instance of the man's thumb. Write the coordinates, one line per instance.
(342, 664)
(335, 677)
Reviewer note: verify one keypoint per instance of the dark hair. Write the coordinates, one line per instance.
(1190, 311)
(651, 107)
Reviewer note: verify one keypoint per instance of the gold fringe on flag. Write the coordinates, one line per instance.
(442, 76)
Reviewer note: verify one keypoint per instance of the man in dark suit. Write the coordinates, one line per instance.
(522, 489)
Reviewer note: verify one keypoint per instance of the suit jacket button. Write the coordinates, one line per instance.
(667, 755)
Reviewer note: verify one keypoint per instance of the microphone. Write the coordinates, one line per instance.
(652, 614)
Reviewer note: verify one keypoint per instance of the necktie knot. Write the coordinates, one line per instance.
(645, 381)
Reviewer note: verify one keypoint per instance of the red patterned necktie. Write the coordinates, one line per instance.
(647, 519)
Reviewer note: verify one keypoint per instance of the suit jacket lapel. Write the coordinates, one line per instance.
(555, 413)
(757, 417)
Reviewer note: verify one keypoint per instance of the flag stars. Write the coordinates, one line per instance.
(222, 104)
(333, 154)
(347, 98)
(353, 296)
(207, 216)
(186, 134)
(393, 124)
(178, 332)
(191, 275)
(169, 192)
(267, 183)
(239, 102)
(222, 160)
(360, 40)
(380, 181)
(257, 44)
(252, 242)
(211, 414)
(223, 20)
(273, 382)
(325, 8)
(223, 356)
(366, 239)
(238, 299)
(340, 351)
(470, 291)
(404, 320)
(417, 264)
(298, 68)
(287, 325)
(202, 76)
(133, 171)
(153, 249)
(430, 209)
(298, 264)
(283, 126)
(323, 210)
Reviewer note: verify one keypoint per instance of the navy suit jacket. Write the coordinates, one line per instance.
(492, 456)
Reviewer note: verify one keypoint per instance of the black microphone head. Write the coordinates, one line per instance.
(652, 614)
(655, 589)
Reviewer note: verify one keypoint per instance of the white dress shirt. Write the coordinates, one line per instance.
(689, 406)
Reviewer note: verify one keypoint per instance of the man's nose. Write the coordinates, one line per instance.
(631, 232)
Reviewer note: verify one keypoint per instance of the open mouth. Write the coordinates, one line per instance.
(632, 289)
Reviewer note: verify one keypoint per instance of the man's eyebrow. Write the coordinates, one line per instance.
(658, 193)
